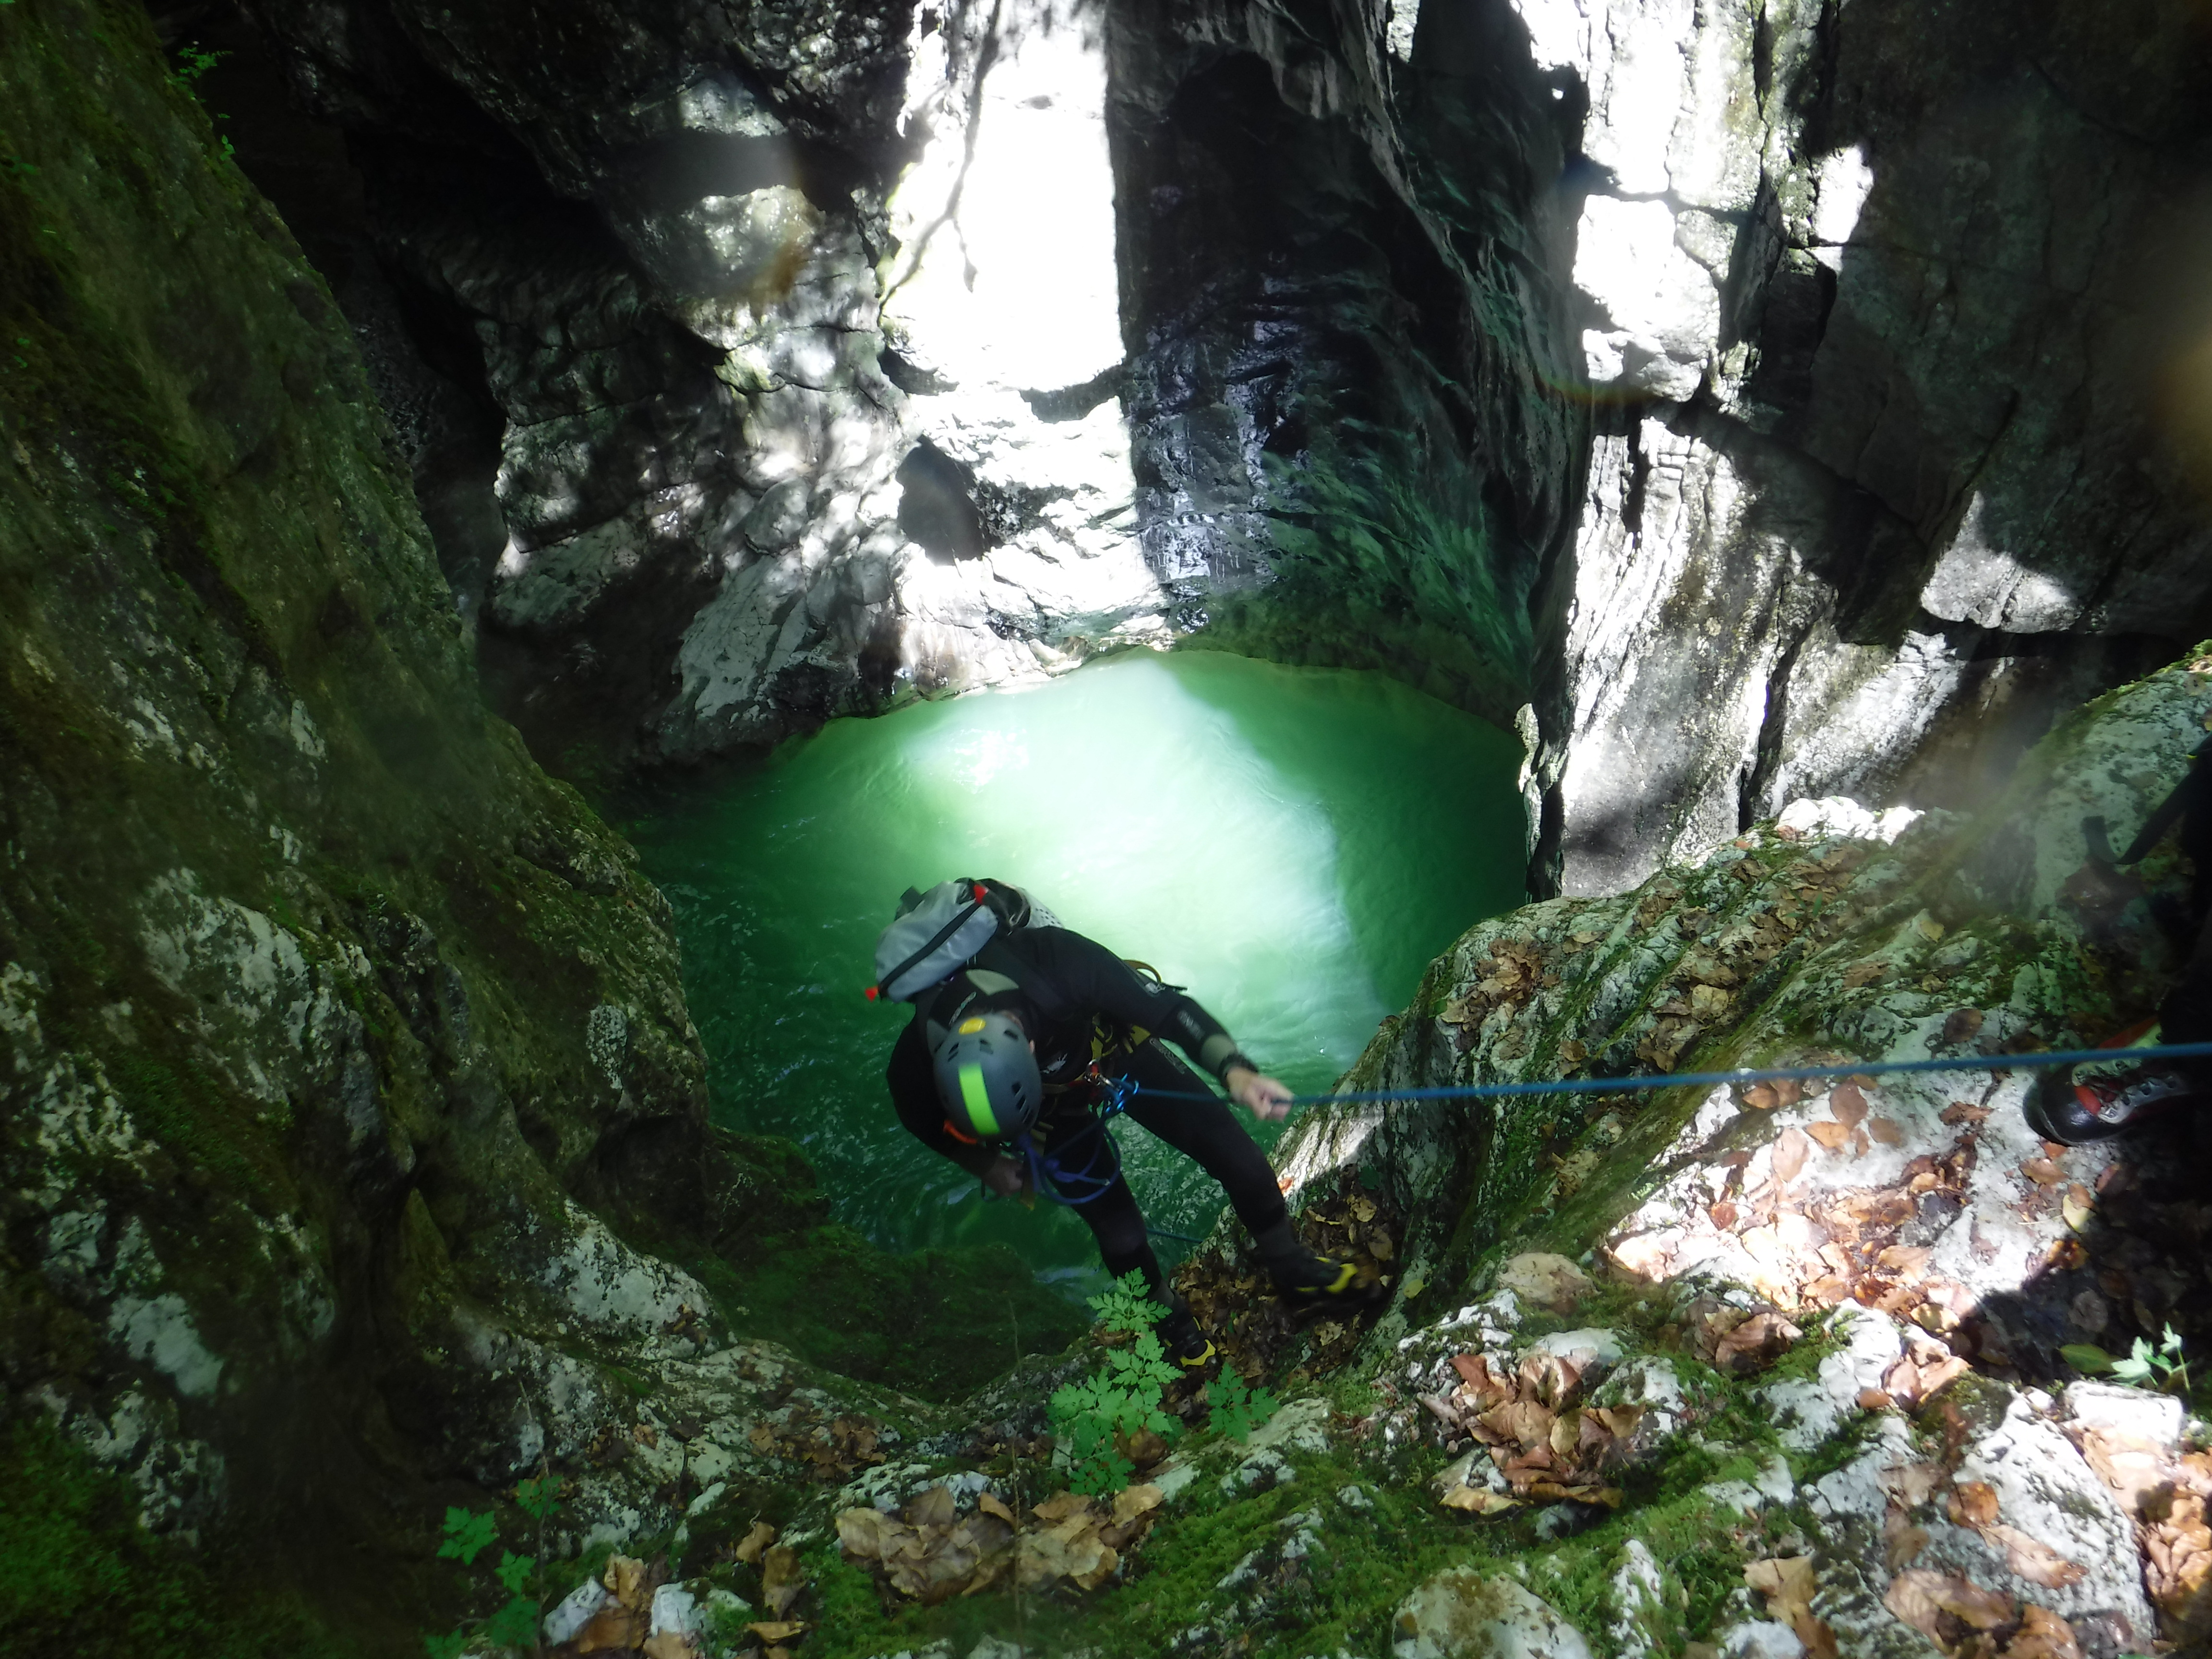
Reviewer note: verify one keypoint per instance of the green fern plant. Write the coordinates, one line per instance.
(467, 1535)
(2144, 1366)
(1236, 1406)
(1094, 1419)
(1090, 1418)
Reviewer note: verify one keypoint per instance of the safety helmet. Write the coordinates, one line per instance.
(987, 1076)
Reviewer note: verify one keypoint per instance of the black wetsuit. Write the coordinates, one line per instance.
(1081, 1003)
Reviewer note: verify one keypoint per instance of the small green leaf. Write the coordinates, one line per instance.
(514, 1572)
(514, 1626)
(441, 1647)
(539, 1498)
(2087, 1357)
(467, 1535)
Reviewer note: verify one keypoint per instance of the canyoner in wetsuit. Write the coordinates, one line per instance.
(1017, 1056)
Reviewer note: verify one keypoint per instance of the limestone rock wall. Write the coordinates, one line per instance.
(1352, 373)
(1885, 311)
(857, 352)
(342, 1053)
(804, 330)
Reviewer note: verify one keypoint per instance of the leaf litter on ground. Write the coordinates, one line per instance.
(930, 1553)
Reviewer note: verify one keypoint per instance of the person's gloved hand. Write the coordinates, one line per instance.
(1262, 1097)
(1007, 1178)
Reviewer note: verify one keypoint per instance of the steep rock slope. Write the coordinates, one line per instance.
(346, 1056)
(1948, 1242)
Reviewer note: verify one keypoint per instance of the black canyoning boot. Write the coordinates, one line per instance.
(1310, 1284)
(1187, 1347)
(2076, 1112)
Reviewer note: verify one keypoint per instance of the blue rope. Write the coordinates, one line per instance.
(1610, 1085)
(1049, 1175)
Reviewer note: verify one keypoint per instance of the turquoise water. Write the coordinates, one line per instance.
(1294, 845)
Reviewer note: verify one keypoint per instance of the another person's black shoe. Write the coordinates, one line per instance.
(2078, 1111)
(1316, 1284)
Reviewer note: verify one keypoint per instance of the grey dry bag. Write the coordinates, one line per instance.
(937, 933)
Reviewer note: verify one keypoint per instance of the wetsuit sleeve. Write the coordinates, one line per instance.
(914, 1094)
(1092, 977)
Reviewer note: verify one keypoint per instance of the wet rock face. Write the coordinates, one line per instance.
(1772, 403)
(824, 384)
(1347, 342)
(1895, 285)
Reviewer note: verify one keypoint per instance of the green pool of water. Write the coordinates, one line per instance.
(1294, 845)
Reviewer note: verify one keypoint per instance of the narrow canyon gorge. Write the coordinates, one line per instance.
(1512, 542)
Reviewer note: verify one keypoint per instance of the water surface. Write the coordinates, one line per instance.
(1294, 845)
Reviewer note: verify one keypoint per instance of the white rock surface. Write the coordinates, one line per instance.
(575, 1610)
(1461, 1615)
(1761, 1638)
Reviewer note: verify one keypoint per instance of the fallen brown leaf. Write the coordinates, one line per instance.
(776, 1630)
(1833, 1137)
(1973, 1503)
(1940, 1374)
(2076, 1206)
(2034, 1560)
(1752, 1343)
(1479, 1500)
(1847, 1105)
(991, 1503)
(1787, 1582)
(1920, 1598)
(1133, 1501)
(669, 1644)
(630, 1582)
(1791, 1149)
(2043, 1635)
(748, 1550)
(2043, 1172)
(1761, 1097)
(1960, 1112)
(1901, 1542)
(614, 1628)
(1910, 1485)
(1884, 1130)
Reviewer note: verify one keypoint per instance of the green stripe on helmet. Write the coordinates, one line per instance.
(980, 1118)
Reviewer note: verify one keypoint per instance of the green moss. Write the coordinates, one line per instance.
(83, 1576)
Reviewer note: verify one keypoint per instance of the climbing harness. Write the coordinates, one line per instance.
(1612, 1085)
(1049, 1171)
